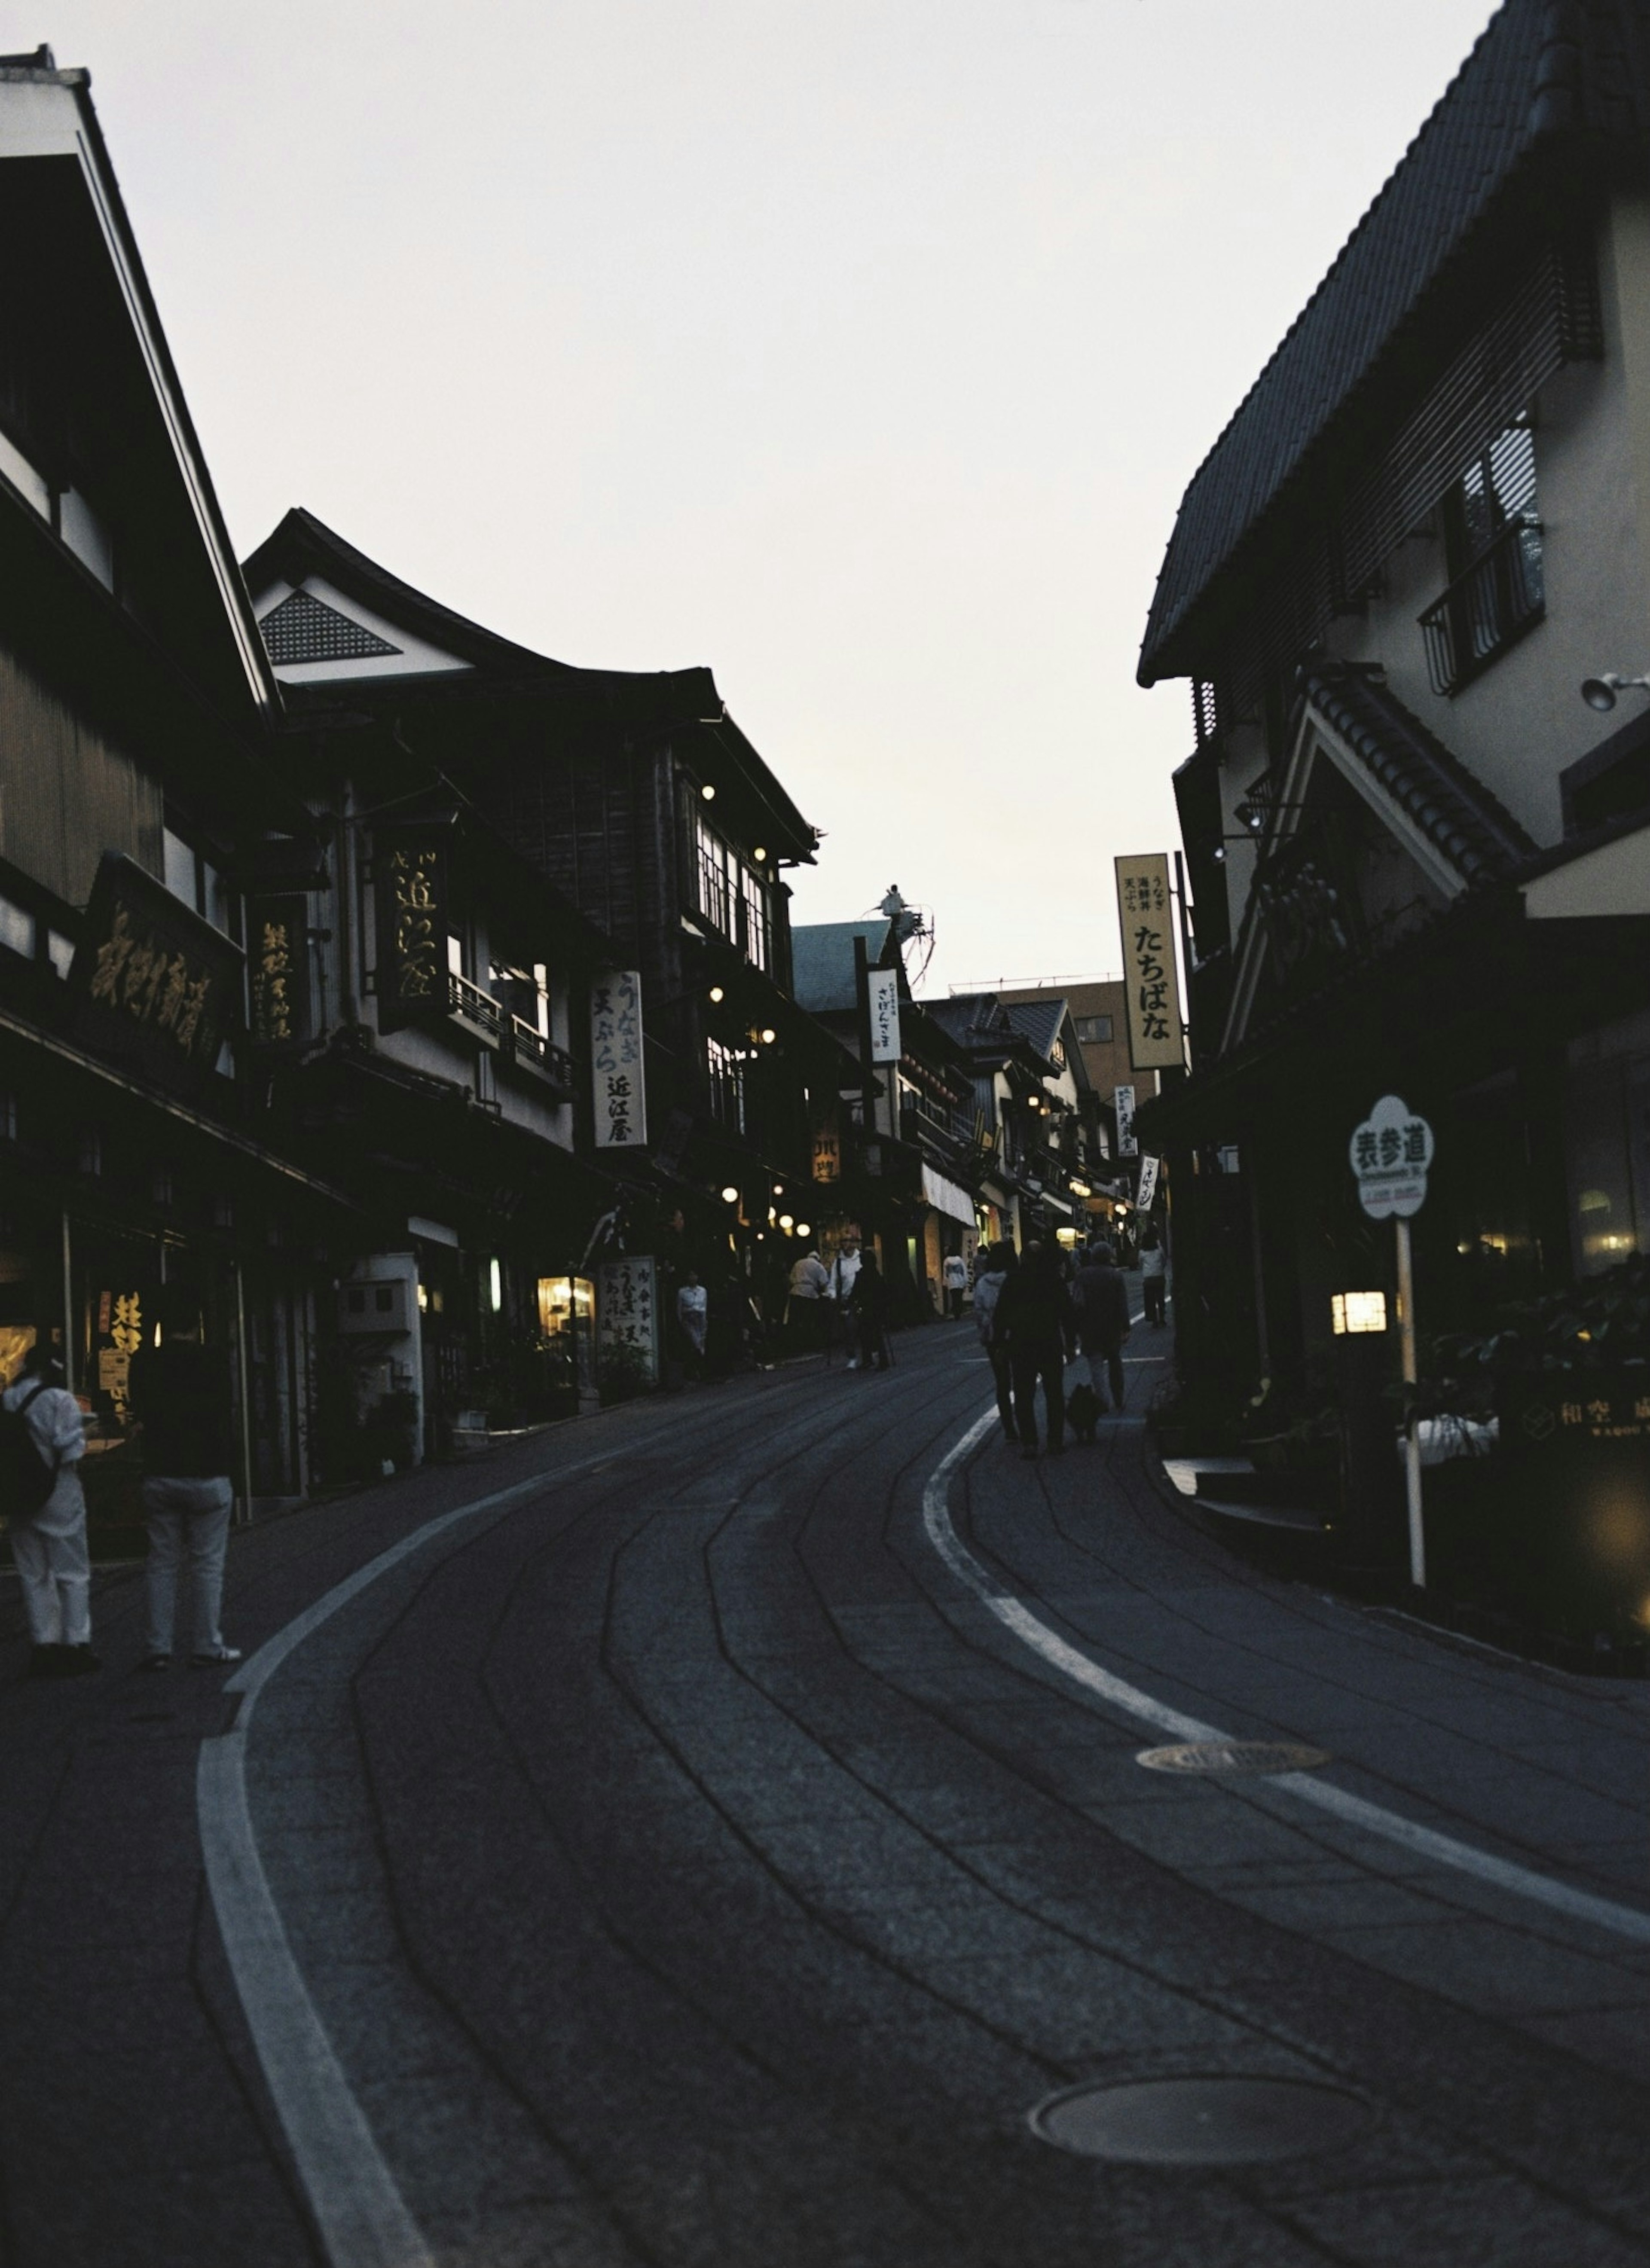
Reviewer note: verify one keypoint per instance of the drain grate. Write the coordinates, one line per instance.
(1234, 1756)
(1201, 2122)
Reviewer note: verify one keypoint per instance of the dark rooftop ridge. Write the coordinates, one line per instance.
(1552, 93)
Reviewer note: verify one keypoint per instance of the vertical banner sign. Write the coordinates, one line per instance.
(627, 1311)
(1123, 1103)
(279, 959)
(620, 1095)
(884, 987)
(410, 902)
(1147, 1193)
(1156, 1032)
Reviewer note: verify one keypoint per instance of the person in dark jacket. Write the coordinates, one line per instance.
(1101, 1299)
(1032, 1313)
(995, 1265)
(869, 1300)
(180, 1395)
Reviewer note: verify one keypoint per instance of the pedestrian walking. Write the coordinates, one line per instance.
(1032, 1312)
(843, 1270)
(46, 1513)
(810, 1288)
(181, 1396)
(995, 1262)
(953, 1274)
(693, 1317)
(1101, 1299)
(1153, 1274)
(869, 1300)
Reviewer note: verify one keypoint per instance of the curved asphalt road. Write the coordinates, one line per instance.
(685, 1867)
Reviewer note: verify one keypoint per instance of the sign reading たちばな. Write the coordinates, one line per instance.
(1389, 1153)
(1151, 981)
(618, 1090)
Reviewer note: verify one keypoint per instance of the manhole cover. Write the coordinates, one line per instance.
(1234, 1756)
(1201, 2122)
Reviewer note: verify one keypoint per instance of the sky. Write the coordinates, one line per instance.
(860, 349)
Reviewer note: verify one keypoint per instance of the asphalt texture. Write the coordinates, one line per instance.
(688, 1870)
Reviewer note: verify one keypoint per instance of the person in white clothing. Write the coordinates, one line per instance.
(49, 1545)
(953, 1274)
(810, 1287)
(693, 1313)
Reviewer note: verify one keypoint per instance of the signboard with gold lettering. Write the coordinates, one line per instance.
(1145, 916)
(156, 987)
(410, 895)
(277, 931)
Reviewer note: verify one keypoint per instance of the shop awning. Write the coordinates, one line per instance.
(946, 1196)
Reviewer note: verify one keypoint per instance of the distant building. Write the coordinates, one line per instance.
(1099, 1014)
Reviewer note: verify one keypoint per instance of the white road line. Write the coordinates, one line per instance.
(363, 2218)
(1523, 1881)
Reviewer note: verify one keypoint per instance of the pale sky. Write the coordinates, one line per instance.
(860, 349)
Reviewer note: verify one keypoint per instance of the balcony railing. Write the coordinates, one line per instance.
(920, 1120)
(532, 1052)
(475, 1011)
(1501, 595)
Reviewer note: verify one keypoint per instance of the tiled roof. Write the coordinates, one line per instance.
(822, 961)
(1560, 77)
(1480, 838)
(1038, 1021)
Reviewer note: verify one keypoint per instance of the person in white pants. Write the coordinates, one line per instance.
(49, 1546)
(180, 1395)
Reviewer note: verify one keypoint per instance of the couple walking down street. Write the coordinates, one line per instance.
(181, 1397)
(1024, 1310)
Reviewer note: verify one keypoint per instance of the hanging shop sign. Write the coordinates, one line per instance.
(412, 901)
(827, 1150)
(1123, 1103)
(627, 1313)
(156, 986)
(1146, 1194)
(278, 932)
(1389, 1153)
(883, 988)
(619, 1091)
(1145, 915)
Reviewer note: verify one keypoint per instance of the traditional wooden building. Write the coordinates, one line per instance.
(138, 789)
(608, 1004)
(1421, 858)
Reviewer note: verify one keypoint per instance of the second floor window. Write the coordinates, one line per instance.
(731, 896)
(1094, 1031)
(1493, 551)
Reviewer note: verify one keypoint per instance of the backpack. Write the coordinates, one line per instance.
(27, 1477)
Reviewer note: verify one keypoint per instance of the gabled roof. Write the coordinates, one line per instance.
(1457, 813)
(822, 962)
(1556, 85)
(61, 209)
(475, 663)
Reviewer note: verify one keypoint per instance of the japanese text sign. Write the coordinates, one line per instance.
(619, 1095)
(1151, 981)
(1145, 1195)
(155, 984)
(1123, 1103)
(411, 898)
(1391, 1154)
(884, 988)
(277, 937)
(627, 1311)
